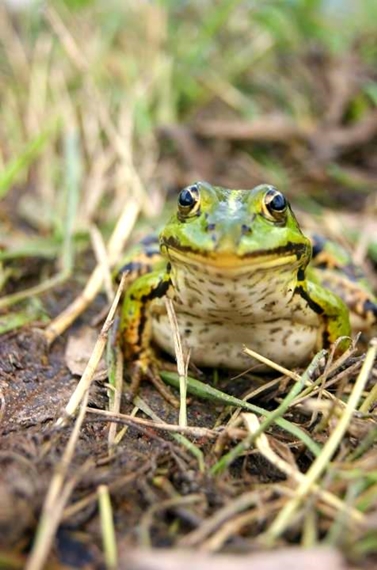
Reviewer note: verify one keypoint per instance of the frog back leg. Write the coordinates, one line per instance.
(143, 258)
(149, 284)
(333, 268)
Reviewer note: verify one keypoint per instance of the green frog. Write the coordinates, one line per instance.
(239, 271)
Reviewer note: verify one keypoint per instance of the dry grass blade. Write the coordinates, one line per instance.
(146, 521)
(207, 392)
(86, 379)
(47, 285)
(60, 489)
(371, 398)
(181, 439)
(134, 421)
(272, 416)
(264, 448)
(308, 382)
(241, 503)
(182, 363)
(107, 528)
(292, 558)
(102, 260)
(118, 142)
(273, 364)
(116, 395)
(120, 483)
(56, 499)
(322, 461)
(115, 246)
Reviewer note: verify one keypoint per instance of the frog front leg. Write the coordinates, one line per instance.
(136, 329)
(331, 310)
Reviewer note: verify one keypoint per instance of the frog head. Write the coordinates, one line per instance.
(232, 230)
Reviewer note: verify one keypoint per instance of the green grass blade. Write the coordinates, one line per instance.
(16, 166)
(201, 390)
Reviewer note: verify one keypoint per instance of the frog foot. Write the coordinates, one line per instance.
(147, 367)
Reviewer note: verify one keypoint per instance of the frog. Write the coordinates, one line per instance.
(239, 271)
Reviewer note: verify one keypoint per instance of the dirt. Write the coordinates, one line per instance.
(147, 468)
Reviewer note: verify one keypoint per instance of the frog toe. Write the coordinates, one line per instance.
(149, 369)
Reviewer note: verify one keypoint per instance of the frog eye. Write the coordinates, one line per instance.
(188, 200)
(275, 204)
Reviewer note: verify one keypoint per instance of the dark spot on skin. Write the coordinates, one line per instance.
(141, 326)
(312, 304)
(262, 297)
(197, 291)
(245, 229)
(300, 274)
(211, 227)
(157, 292)
(268, 306)
(276, 330)
(188, 332)
(325, 339)
(286, 337)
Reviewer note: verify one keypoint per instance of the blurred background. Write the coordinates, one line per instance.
(101, 101)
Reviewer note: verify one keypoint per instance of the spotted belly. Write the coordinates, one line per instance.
(220, 344)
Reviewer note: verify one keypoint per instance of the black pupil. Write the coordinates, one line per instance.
(186, 198)
(278, 203)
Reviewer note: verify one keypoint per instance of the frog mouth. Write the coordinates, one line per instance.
(289, 255)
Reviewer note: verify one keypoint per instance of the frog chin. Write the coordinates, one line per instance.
(233, 264)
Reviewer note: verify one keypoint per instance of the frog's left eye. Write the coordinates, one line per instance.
(275, 204)
(188, 200)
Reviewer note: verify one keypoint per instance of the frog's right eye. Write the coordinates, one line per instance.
(188, 200)
(275, 205)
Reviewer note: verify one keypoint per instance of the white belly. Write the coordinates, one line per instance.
(221, 346)
(220, 314)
